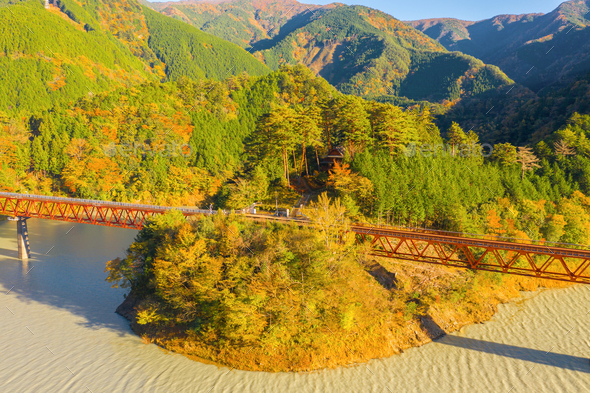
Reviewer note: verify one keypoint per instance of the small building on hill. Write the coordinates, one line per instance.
(335, 155)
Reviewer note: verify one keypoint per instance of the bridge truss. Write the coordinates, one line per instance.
(517, 256)
(547, 260)
(85, 211)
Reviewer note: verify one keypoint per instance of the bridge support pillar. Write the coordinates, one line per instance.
(22, 238)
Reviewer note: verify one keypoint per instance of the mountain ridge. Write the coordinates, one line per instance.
(358, 49)
(257, 20)
(553, 43)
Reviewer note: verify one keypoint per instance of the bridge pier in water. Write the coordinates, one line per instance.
(532, 258)
(22, 238)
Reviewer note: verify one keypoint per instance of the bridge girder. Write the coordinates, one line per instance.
(517, 256)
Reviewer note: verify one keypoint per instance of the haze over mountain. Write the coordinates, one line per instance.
(556, 44)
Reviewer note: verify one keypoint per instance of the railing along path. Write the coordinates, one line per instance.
(557, 261)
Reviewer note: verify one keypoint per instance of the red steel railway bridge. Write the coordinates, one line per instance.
(556, 261)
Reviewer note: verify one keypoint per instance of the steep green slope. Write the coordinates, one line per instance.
(556, 44)
(162, 42)
(56, 55)
(47, 58)
(187, 51)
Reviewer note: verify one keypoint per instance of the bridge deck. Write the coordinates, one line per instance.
(474, 240)
(98, 203)
(558, 261)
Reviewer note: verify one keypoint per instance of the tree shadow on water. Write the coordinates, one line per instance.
(66, 271)
(563, 361)
(37, 281)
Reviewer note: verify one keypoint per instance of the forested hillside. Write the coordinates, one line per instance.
(54, 56)
(516, 114)
(49, 58)
(180, 139)
(247, 139)
(371, 54)
(366, 52)
(359, 50)
(556, 44)
(245, 23)
(187, 51)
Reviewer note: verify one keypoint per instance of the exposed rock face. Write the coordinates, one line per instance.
(127, 308)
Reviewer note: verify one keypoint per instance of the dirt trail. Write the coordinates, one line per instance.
(306, 195)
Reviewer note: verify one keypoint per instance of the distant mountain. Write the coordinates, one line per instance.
(359, 50)
(367, 52)
(56, 54)
(242, 22)
(556, 44)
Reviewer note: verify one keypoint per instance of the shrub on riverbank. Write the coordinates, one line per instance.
(283, 298)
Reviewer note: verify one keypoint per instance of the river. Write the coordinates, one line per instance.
(59, 333)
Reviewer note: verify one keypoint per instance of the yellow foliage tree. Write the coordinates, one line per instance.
(329, 218)
(347, 182)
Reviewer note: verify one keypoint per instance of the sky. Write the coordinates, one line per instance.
(461, 9)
